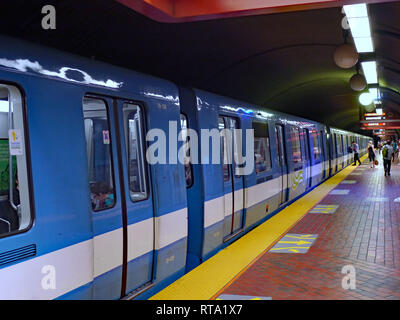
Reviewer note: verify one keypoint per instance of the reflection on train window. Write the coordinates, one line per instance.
(262, 154)
(224, 150)
(316, 145)
(187, 162)
(98, 148)
(15, 212)
(296, 148)
(133, 119)
(339, 144)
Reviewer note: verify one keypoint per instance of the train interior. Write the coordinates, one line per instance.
(14, 194)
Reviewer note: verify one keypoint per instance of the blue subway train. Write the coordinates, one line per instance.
(84, 215)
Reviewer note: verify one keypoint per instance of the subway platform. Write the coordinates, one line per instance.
(349, 225)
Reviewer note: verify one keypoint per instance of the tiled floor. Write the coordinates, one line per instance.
(364, 233)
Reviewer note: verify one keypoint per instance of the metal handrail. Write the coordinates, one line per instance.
(8, 222)
(10, 166)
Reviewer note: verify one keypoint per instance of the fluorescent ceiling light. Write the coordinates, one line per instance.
(375, 93)
(356, 10)
(364, 44)
(369, 68)
(3, 106)
(359, 27)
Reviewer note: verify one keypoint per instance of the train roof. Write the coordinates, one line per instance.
(237, 106)
(24, 57)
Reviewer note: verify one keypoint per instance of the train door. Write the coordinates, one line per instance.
(335, 165)
(122, 205)
(340, 156)
(298, 182)
(307, 159)
(323, 158)
(233, 184)
(282, 162)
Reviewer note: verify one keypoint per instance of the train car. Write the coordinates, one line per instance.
(292, 156)
(93, 202)
(83, 215)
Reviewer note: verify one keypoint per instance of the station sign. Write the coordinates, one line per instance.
(374, 114)
(376, 124)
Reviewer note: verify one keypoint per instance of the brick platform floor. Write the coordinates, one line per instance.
(364, 232)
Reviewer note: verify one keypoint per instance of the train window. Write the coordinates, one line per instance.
(97, 133)
(134, 135)
(296, 148)
(339, 144)
(316, 145)
(15, 213)
(224, 151)
(187, 162)
(262, 153)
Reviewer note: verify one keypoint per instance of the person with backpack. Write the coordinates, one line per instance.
(387, 152)
(356, 153)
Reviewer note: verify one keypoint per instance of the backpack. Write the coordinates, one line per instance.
(350, 149)
(385, 152)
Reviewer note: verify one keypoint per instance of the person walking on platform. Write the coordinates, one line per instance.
(387, 152)
(371, 154)
(394, 147)
(356, 153)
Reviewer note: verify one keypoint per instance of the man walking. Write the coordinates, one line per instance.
(387, 152)
(356, 152)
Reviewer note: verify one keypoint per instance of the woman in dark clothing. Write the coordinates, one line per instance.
(371, 154)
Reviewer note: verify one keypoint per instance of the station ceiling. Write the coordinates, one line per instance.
(282, 61)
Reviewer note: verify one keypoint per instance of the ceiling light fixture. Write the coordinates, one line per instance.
(364, 44)
(358, 21)
(369, 68)
(357, 81)
(365, 98)
(356, 10)
(375, 93)
(359, 27)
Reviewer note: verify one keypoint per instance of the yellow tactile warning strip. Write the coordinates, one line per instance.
(212, 276)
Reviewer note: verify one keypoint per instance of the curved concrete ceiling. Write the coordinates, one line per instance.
(281, 61)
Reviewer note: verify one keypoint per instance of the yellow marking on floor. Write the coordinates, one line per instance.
(301, 237)
(212, 276)
(296, 242)
(287, 248)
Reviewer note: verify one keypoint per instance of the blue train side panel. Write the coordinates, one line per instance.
(63, 232)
